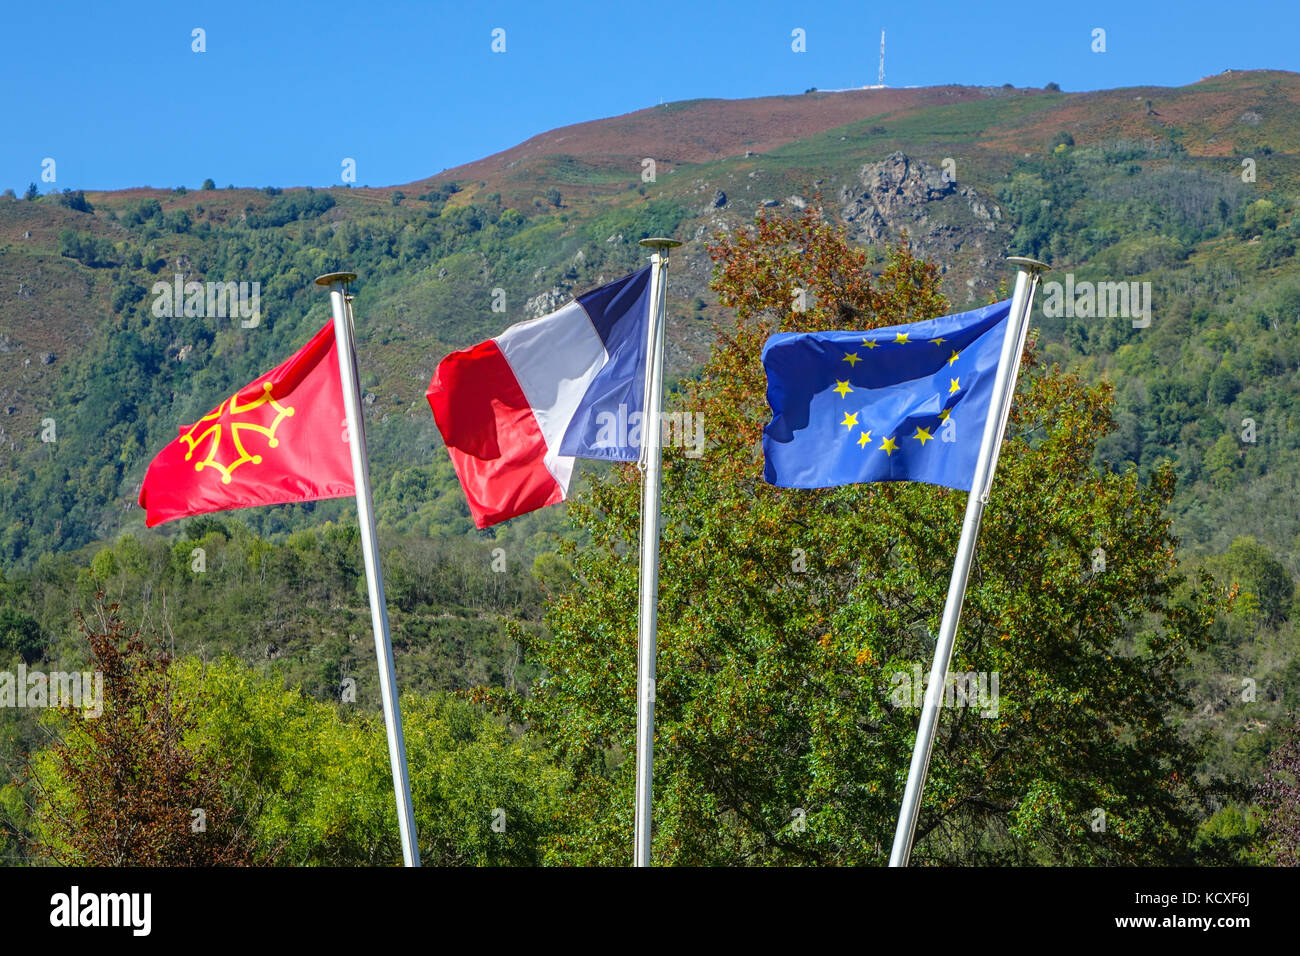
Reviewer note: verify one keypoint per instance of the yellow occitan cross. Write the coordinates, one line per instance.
(842, 388)
(214, 431)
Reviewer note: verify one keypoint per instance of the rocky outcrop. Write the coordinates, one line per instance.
(944, 220)
(539, 305)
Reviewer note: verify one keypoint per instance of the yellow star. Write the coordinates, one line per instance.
(900, 337)
(864, 439)
(953, 387)
(871, 343)
(842, 388)
(938, 341)
(888, 446)
(953, 359)
(923, 435)
(943, 415)
(850, 419)
(852, 358)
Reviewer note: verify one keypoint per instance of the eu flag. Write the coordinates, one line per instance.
(903, 403)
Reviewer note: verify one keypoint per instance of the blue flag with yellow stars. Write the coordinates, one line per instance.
(903, 403)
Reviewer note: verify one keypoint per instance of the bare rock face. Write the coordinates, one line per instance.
(892, 195)
(540, 305)
(945, 221)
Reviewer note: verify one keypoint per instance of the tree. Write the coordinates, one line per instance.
(92, 252)
(32, 192)
(75, 201)
(1223, 461)
(1261, 217)
(208, 184)
(20, 634)
(1224, 385)
(1266, 583)
(788, 618)
(125, 787)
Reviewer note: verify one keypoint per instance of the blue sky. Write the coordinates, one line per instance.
(115, 95)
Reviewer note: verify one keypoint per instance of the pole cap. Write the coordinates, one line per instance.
(330, 278)
(659, 242)
(1024, 262)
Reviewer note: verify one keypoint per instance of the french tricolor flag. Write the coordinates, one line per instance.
(516, 410)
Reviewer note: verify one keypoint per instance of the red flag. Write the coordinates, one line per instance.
(279, 439)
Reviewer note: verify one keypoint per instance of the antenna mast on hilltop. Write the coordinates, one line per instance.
(880, 78)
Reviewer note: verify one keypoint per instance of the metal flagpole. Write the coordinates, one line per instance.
(343, 338)
(650, 463)
(1004, 386)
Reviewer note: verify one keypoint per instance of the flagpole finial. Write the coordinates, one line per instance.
(1024, 262)
(330, 278)
(659, 244)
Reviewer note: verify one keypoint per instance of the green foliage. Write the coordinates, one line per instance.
(1225, 383)
(20, 634)
(1077, 205)
(1261, 217)
(92, 252)
(147, 210)
(1267, 587)
(307, 204)
(316, 786)
(178, 221)
(75, 201)
(219, 590)
(1223, 462)
(1231, 836)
